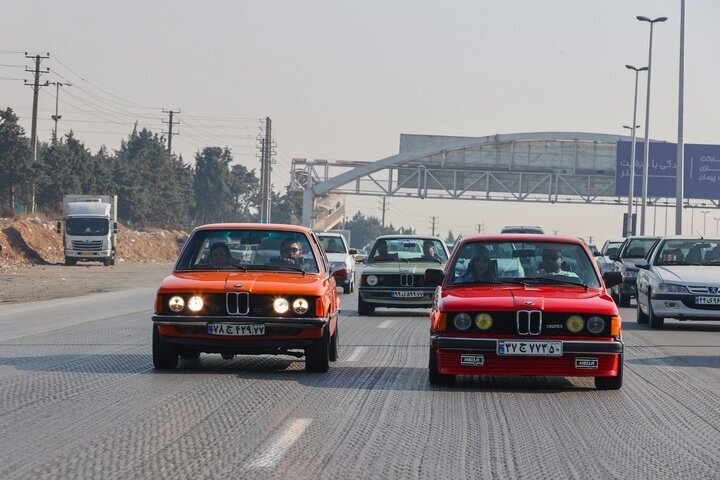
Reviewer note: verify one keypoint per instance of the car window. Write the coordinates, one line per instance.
(688, 252)
(408, 250)
(332, 244)
(248, 249)
(638, 247)
(532, 262)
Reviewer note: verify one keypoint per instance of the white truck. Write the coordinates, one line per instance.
(90, 228)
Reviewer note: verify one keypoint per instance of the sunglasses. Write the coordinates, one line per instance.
(292, 250)
(551, 257)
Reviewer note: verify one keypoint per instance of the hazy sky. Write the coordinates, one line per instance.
(343, 79)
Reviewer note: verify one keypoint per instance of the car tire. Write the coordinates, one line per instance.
(107, 261)
(623, 300)
(364, 308)
(611, 383)
(165, 355)
(642, 318)
(70, 262)
(434, 376)
(317, 355)
(227, 356)
(347, 288)
(653, 320)
(335, 345)
(614, 295)
(189, 354)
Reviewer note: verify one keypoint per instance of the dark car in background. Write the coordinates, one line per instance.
(632, 250)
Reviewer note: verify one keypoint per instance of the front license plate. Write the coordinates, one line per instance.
(86, 254)
(469, 360)
(530, 347)
(707, 300)
(407, 294)
(235, 330)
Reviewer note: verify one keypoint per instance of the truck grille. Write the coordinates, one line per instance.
(87, 246)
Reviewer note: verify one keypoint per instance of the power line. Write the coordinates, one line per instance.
(170, 124)
(36, 85)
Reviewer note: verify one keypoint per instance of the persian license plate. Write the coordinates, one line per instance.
(707, 300)
(86, 254)
(550, 348)
(407, 294)
(470, 360)
(235, 330)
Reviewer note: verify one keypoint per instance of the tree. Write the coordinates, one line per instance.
(245, 189)
(366, 229)
(450, 238)
(213, 185)
(15, 161)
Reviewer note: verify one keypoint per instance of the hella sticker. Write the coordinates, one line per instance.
(472, 360)
(586, 362)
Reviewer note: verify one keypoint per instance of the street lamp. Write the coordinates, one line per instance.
(646, 148)
(631, 192)
(704, 212)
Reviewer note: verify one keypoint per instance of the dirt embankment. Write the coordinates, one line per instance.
(32, 240)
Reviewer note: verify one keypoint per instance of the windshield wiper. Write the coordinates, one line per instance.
(556, 280)
(212, 266)
(678, 262)
(276, 267)
(426, 259)
(491, 282)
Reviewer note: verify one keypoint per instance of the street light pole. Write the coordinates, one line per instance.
(704, 212)
(680, 168)
(631, 192)
(646, 148)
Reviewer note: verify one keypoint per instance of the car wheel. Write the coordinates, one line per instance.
(165, 355)
(623, 300)
(112, 259)
(106, 261)
(347, 288)
(611, 383)
(70, 262)
(317, 356)
(364, 308)
(654, 320)
(614, 295)
(335, 345)
(227, 356)
(641, 317)
(434, 376)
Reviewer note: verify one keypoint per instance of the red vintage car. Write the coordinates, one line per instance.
(248, 289)
(524, 305)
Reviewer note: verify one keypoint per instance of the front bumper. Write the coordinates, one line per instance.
(607, 356)
(629, 286)
(384, 296)
(94, 255)
(683, 307)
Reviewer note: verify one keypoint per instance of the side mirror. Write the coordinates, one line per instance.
(642, 264)
(597, 254)
(614, 258)
(352, 251)
(340, 272)
(58, 227)
(434, 276)
(612, 278)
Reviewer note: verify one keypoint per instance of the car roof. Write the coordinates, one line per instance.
(330, 234)
(643, 237)
(690, 237)
(521, 237)
(254, 226)
(398, 235)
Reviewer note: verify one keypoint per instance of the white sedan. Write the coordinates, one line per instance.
(680, 279)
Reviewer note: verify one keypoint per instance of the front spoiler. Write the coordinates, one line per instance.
(574, 347)
(191, 321)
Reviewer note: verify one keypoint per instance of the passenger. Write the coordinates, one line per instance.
(333, 247)
(552, 260)
(429, 251)
(220, 254)
(694, 255)
(480, 269)
(713, 255)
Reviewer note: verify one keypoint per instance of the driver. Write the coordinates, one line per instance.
(290, 252)
(552, 260)
(220, 254)
(381, 252)
(429, 250)
(480, 269)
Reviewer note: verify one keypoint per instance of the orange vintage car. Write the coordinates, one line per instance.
(248, 289)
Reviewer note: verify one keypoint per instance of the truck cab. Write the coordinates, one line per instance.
(90, 228)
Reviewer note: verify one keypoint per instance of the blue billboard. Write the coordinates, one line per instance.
(702, 170)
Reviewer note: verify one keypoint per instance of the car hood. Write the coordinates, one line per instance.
(337, 257)
(512, 298)
(689, 274)
(288, 283)
(400, 267)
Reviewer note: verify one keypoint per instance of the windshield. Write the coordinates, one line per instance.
(248, 249)
(638, 247)
(689, 252)
(527, 262)
(332, 244)
(408, 250)
(87, 226)
(610, 245)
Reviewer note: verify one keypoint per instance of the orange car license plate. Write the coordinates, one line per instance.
(235, 330)
(550, 348)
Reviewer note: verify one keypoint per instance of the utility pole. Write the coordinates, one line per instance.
(57, 117)
(384, 207)
(170, 124)
(433, 225)
(265, 170)
(33, 132)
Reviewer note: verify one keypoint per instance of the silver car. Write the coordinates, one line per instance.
(680, 279)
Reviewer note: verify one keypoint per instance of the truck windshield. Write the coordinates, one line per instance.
(87, 226)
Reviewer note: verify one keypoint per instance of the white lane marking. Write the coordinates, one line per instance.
(281, 444)
(357, 353)
(387, 324)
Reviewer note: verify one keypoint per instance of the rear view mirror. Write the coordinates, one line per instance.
(434, 276)
(523, 253)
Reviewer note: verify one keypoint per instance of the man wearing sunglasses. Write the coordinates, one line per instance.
(552, 261)
(291, 252)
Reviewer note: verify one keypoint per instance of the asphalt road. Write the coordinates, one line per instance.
(79, 399)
